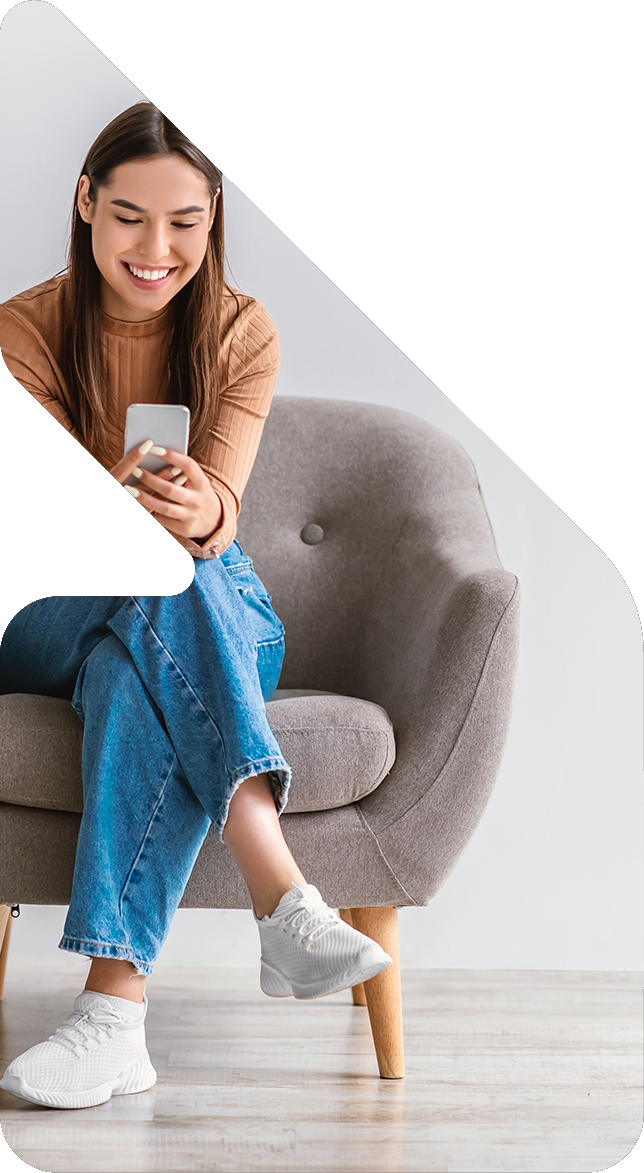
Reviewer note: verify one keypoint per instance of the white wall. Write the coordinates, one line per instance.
(469, 174)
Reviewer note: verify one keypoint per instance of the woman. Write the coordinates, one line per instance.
(171, 690)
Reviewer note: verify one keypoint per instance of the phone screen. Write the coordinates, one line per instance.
(168, 424)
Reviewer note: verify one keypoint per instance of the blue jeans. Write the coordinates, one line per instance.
(171, 690)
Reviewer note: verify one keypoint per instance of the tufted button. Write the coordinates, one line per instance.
(312, 534)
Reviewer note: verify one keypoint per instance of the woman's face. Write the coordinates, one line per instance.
(149, 233)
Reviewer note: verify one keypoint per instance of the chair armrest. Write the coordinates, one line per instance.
(440, 656)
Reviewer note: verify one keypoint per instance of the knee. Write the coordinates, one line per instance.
(107, 672)
(109, 660)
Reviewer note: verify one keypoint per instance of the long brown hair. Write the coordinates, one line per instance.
(142, 132)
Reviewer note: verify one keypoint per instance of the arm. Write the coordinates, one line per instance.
(35, 420)
(243, 406)
(441, 663)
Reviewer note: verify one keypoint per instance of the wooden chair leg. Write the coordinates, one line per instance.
(5, 933)
(384, 999)
(359, 996)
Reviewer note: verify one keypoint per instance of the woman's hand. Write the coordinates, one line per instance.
(189, 503)
(180, 496)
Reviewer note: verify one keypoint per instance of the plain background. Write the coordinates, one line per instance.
(552, 877)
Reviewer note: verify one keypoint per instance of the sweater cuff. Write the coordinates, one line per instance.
(214, 545)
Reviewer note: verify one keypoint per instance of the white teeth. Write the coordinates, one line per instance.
(149, 274)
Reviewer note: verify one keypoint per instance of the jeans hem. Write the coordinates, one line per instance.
(100, 949)
(280, 777)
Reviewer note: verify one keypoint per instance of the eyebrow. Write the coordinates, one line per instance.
(136, 208)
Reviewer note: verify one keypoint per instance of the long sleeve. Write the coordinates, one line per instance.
(43, 439)
(32, 326)
(228, 456)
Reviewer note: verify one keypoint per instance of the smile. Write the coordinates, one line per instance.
(148, 278)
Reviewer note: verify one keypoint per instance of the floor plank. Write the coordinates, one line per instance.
(506, 1071)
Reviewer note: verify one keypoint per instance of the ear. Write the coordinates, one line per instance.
(85, 205)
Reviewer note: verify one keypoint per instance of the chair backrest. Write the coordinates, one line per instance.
(333, 485)
(331, 488)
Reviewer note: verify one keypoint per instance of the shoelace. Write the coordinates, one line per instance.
(311, 923)
(103, 1022)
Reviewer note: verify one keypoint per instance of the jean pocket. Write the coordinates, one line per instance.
(267, 626)
(242, 567)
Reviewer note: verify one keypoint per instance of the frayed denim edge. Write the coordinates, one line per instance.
(96, 949)
(280, 776)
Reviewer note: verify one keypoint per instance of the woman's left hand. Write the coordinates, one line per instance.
(185, 502)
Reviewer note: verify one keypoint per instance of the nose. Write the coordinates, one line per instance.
(154, 244)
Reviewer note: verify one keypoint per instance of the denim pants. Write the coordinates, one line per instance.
(171, 690)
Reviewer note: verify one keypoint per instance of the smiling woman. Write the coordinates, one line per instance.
(171, 691)
(148, 199)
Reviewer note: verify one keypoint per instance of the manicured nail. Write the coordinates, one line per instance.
(174, 472)
(180, 480)
(156, 451)
(137, 472)
(146, 446)
(132, 490)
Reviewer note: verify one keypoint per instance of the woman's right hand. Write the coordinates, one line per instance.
(110, 515)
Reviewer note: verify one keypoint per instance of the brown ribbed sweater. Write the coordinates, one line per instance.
(32, 328)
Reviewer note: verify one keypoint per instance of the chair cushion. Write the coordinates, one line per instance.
(339, 747)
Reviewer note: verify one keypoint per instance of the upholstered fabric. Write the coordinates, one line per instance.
(339, 749)
(368, 528)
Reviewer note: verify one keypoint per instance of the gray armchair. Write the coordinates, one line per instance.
(368, 528)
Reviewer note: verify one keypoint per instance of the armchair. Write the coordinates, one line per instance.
(368, 527)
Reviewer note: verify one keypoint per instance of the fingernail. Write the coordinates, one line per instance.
(132, 490)
(137, 472)
(174, 472)
(181, 480)
(146, 446)
(156, 451)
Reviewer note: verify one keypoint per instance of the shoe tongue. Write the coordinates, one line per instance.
(89, 1000)
(309, 891)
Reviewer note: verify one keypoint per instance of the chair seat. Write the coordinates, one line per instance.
(339, 747)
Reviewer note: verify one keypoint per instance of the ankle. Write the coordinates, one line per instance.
(115, 991)
(109, 975)
(265, 902)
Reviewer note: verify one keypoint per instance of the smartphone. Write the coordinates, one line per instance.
(168, 424)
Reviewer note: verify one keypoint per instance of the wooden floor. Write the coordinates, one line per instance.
(508, 1070)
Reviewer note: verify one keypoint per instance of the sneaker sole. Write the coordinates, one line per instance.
(276, 985)
(140, 1076)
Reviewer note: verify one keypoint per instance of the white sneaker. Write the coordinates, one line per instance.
(98, 1052)
(308, 951)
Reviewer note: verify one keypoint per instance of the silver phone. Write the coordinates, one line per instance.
(168, 424)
